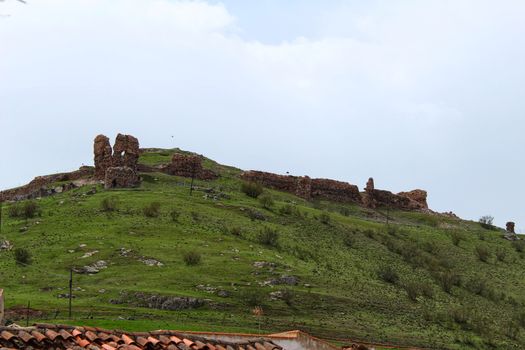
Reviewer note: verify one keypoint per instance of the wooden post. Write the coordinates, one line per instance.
(27, 313)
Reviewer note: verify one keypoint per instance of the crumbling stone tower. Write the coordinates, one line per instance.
(116, 166)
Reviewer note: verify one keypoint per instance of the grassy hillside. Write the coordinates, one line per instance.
(421, 280)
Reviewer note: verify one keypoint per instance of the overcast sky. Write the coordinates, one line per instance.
(418, 94)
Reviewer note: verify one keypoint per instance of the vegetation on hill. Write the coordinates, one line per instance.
(169, 260)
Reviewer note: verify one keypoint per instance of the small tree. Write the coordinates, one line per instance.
(456, 237)
(486, 222)
(483, 253)
(325, 218)
(174, 214)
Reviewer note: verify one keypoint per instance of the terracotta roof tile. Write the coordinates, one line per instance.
(46, 336)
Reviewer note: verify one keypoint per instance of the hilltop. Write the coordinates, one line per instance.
(149, 251)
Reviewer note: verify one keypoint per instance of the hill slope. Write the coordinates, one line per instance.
(337, 271)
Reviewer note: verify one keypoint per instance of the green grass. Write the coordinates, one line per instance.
(339, 294)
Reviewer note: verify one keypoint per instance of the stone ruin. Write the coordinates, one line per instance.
(307, 188)
(189, 166)
(510, 227)
(117, 166)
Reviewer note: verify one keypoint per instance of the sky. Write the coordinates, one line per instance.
(417, 94)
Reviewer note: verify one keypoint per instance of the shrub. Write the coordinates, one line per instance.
(288, 296)
(255, 215)
(486, 222)
(519, 246)
(344, 211)
(252, 189)
(325, 218)
(388, 274)
(416, 289)
(447, 280)
(27, 210)
(286, 209)
(22, 256)
(192, 258)
(174, 214)
(152, 210)
(109, 204)
(236, 231)
(431, 247)
(456, 237)
(266, 201)
(501, 254)
(483, 253)
(195, 216)
(349, 240)
(268, 236)
(252, 297)
(477, 286)
(30, 210)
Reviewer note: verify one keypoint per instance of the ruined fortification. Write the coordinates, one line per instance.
(339, 191)
(117, 166)
(189, 166)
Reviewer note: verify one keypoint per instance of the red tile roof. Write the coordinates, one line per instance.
(58, 337)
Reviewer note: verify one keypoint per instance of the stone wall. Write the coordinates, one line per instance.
(189, 166)
(306, 187)
(117, 166)
(40, 185)
(120, 177)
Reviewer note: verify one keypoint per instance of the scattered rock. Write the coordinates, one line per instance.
(277, 295)
(23, 229)
(151, 262)
(93, 268)
(89, 254)
(223, 293)
(156, 301)
(5, 245)
(264, 264)
(285, 279)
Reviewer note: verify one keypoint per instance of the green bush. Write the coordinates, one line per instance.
(349, 240)
(152, 210)
(252, 297)
(325, 218)
(519, 246)
(286, 209)
(22, 256)
(174, 214)
(501, 254)
(448, 280)
(456, 237)
(252, 189)
(268, 236)
(482, 253)
(388, 274)
(236, 231)
(288, 296)
(109, 204)
(266, 201)
(27, 210)
(416, 289)
(477, 286)
(192, 258)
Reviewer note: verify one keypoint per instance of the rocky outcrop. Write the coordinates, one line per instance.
(510, 227)
(120, 177)
(189, 166)
(117, 166)
(306, 187)
(42, 186)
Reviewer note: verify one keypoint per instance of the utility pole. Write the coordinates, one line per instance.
(70, 289)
